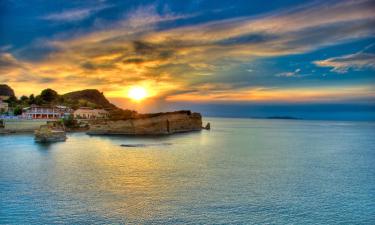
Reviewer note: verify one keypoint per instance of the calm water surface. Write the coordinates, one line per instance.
(243, 171)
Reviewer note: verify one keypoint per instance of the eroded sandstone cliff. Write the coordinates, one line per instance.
(150, 124)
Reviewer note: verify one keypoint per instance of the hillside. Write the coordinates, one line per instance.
(84, 98)
(5, 90)
(91, 96)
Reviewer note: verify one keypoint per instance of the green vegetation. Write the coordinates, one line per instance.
(88, 98)
(48, 97)
(70, 122)
(17, 111)
(12, 101)
(5, 90)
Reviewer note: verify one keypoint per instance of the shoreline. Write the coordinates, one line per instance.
(10, 132)
(4, 131)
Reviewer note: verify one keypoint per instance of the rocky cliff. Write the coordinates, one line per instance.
(150, 124)
(92, 96)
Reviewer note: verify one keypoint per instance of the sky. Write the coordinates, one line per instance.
(241, 57)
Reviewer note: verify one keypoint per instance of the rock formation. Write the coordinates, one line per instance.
(90, 95)
(51, 132)
(150, 124)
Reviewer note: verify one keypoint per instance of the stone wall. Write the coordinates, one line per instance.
(162, 123)
(22, 125)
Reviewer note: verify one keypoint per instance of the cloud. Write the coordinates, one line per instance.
(293, 31)
(139, 49)
(148, 15)
(77, 14)
(5, 48)
(22, 74)
(295, 73)
(342, 64)
(8, 63)
(286, 74)
(270, 94)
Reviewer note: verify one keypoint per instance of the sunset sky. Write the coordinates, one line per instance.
(237, 53)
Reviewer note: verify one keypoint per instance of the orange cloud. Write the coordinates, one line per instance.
(175, 63)
(263, 94)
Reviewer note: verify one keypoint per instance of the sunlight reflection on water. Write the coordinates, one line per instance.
(242, 171)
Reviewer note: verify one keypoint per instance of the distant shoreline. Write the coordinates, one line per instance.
(261, 117)
(280, 118)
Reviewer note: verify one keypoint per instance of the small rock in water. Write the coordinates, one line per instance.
(132, 145)
(51, 132)
(143, 145)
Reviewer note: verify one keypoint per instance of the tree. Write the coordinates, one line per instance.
(12, 101)
(70, 122)
(17, 111)
(91, 105)
(31, 99)
(48, 95)
(39, 100)
(61, 99)
(24, 99)
(82, 103)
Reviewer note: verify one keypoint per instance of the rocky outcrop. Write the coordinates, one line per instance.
(52, 132)
(89, 95)
(150, 124)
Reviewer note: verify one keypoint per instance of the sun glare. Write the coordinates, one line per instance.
(137, 93)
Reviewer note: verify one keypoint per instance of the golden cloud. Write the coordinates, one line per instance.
(168, 61)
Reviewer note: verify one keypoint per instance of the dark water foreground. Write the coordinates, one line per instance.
(242, 172)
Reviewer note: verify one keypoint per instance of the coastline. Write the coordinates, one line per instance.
(31, 131)
(165, 123)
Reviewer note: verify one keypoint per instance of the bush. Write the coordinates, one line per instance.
(17, 111)
(70, 122)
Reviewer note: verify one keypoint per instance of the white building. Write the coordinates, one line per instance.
(88, 113)
(46, 112)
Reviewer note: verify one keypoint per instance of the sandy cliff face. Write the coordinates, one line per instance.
(163, 123)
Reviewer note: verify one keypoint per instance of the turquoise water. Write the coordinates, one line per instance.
(243, 171)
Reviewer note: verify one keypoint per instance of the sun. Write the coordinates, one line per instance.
(137, 93)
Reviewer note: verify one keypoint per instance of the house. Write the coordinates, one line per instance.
(46, 112)
(102, 113)
(88, 113)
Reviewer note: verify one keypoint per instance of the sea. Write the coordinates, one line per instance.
(242, 171)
